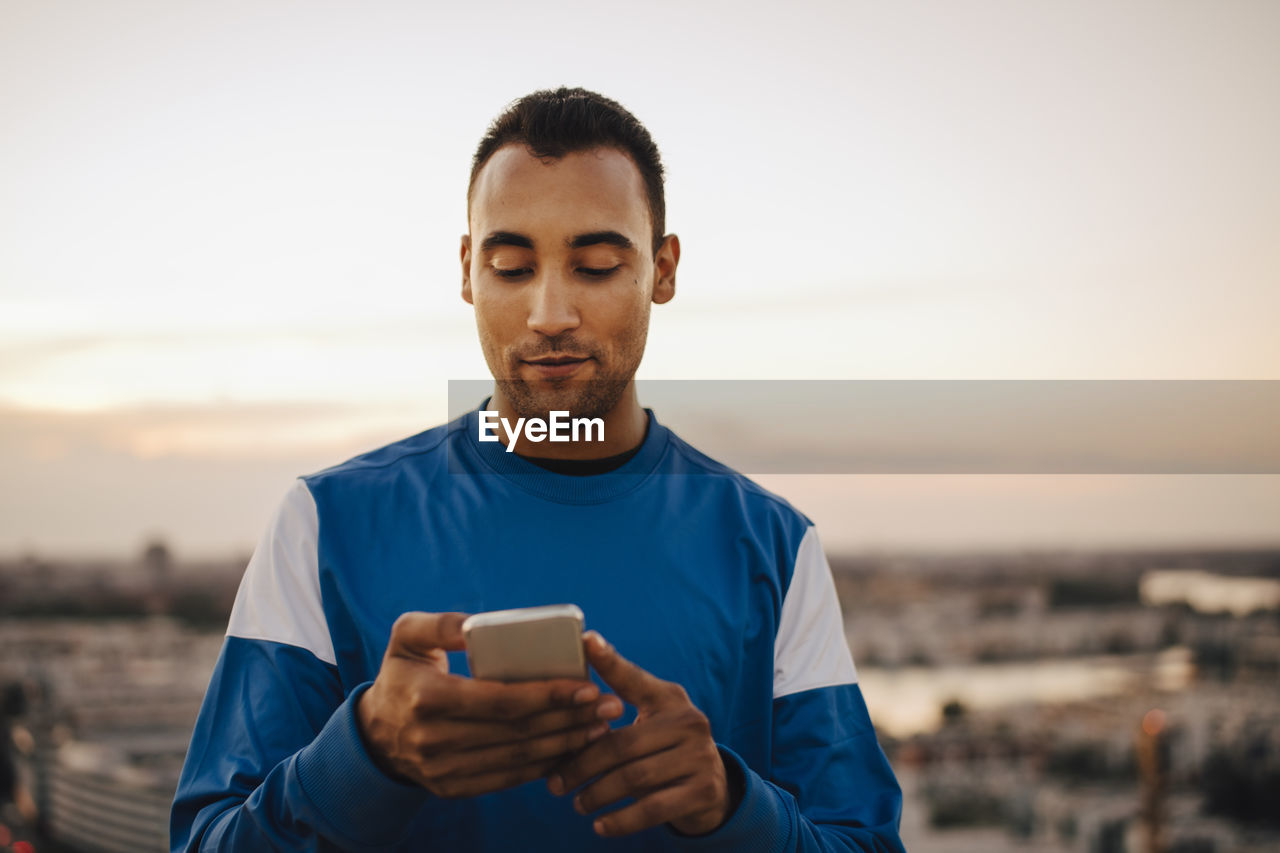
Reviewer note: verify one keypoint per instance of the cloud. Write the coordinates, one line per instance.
(198, 430)
(205, 475)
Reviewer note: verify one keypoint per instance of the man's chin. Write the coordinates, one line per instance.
(581, 398)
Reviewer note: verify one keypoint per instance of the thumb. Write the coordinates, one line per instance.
(420, 635)
(635, 685)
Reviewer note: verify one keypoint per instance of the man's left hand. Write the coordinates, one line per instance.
(666, 760)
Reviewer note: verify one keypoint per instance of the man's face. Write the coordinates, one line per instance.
(560, 269)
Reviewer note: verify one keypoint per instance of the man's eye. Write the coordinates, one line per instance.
(514, 273)
(596, 272)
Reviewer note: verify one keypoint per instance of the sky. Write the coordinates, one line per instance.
(229, 236)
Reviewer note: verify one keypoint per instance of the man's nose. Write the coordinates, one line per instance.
(553, 310)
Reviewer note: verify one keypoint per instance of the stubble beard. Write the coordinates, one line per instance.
(581, 398)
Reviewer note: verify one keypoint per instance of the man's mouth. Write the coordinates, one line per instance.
(557, 359)
(556, 365)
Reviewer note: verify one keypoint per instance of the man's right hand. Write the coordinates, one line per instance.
(462, 737)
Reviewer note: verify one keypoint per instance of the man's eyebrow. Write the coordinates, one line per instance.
(592, 238)
(595, 238)
(505, 238)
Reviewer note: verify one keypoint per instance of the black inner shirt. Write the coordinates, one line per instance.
(586, 467)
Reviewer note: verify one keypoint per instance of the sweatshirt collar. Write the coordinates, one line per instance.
(491, 457)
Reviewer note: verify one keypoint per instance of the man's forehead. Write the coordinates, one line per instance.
(597, 187)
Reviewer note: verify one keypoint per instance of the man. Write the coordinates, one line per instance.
(340, 715)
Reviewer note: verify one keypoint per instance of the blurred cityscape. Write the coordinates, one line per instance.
(1062, 701)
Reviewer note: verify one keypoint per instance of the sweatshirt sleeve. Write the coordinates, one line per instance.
(276, 761)
(830, 786)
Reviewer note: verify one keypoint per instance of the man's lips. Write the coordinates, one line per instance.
(556, 359)
(556, 365)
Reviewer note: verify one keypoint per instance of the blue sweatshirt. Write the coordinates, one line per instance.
(690, 569)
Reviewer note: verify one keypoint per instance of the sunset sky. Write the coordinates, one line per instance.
(228, 236)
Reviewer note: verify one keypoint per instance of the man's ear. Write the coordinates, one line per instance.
(664, 269)
(466, 269)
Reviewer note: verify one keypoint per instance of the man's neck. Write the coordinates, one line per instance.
(625, 426)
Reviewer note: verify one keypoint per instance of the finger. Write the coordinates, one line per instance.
(468, 734)
(633, 779)
(416, 634)
(479, 699)
(629, 681)
(655, 809)
(619, 747)
(536, 750)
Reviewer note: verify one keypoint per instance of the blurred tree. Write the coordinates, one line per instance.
(953, 711)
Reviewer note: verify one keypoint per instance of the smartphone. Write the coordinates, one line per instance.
(526, 644)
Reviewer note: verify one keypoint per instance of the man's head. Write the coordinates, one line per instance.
(551, 123)
(566, 253)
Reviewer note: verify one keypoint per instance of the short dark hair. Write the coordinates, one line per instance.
(555, 122)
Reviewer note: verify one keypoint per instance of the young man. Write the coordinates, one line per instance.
(340, 715)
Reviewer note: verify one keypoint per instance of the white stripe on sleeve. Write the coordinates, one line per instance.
(810, 650)
(279, 595)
